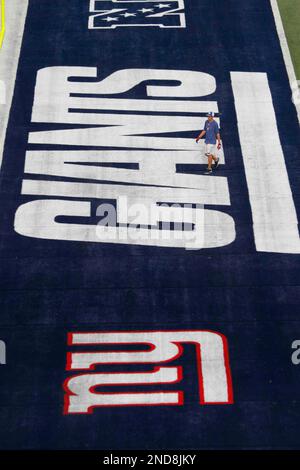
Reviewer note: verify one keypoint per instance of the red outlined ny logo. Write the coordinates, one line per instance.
(85, 391)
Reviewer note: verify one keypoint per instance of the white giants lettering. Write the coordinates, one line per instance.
(127, 150)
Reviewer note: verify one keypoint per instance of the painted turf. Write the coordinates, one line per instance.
(56, 279)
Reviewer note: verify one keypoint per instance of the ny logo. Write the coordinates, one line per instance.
(85, 391)
(111, 14)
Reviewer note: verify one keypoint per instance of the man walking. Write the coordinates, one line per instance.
(212, 135)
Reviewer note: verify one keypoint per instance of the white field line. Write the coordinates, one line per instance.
(16, 11)
(285, 51)
(275, 222)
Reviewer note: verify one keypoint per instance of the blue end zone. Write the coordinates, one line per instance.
(50, 287)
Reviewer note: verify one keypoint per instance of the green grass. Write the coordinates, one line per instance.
(290, 13)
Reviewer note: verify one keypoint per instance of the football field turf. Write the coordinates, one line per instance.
(290, 13)
(145, 304)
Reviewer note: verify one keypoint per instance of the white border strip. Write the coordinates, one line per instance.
(285, 50)
(275, 222)
(16, 12)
